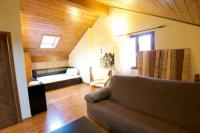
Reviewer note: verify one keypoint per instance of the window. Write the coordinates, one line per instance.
(49, 42)
(141, 42)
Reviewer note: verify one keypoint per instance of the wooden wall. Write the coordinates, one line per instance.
(44, 62)
(27, 59)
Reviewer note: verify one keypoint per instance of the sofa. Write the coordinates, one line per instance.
(146, 105)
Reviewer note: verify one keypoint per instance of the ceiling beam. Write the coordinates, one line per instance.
(91, 5)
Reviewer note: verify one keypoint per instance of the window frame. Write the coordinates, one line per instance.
(152, 33)
(48, 45)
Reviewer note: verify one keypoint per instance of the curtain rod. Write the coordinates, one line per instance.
(158, 27)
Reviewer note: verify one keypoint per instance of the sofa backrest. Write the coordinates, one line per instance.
(174, 101)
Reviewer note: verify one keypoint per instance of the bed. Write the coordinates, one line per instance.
(55, 78)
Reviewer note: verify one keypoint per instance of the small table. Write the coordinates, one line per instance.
(82, 125)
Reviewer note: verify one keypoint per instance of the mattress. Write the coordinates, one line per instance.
(34, 83)
(56, 78)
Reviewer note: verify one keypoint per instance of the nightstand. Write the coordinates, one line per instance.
(37, 98)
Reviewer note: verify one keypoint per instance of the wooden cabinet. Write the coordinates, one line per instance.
(37, 99)
(27, 58)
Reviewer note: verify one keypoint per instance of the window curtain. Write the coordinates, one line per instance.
(171, 64)
(126, 54)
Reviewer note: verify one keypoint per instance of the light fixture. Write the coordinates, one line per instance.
(49, 42)
(74, 13)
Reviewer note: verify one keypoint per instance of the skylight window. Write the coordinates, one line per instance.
(49, 42)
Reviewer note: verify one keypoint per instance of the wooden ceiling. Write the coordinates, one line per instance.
(187, 11)
(58, 18)
(63, 18)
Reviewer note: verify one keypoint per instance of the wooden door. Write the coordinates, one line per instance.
(9, 103)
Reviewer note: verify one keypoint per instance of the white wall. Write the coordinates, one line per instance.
(10, 22)
(175, 35)
(81, 56)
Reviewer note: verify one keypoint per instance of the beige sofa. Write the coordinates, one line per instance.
(146, 105)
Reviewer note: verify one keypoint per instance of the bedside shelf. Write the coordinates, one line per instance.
(37, 99)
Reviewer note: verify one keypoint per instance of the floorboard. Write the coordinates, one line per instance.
(64, 105)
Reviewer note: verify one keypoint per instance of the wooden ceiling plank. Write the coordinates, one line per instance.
(53, 18)
(193, 9)
(174, 8)
(51, 11)
(198, 4)
(147, 7)
(161, 7)
(168, 8)
(92, 5)
(177, 10)
(62, 24)
(183, 9)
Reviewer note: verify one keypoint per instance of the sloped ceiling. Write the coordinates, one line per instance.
(187, 11)
(61, 18)
(53, 18)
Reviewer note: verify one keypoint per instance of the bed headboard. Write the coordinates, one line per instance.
(49, 71)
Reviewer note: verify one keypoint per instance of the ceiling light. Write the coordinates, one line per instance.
(49, 42)
(74, 13)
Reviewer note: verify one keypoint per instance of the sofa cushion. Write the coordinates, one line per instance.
(126, 120)
(173, 101)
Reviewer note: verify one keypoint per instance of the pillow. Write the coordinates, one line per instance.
(72, 72)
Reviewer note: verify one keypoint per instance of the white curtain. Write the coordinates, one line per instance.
(126, 57)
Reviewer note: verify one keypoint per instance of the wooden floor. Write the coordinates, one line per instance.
(64, 105)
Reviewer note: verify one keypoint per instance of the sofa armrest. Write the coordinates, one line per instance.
(100, 95)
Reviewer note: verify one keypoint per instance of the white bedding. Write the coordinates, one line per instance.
(56, 78)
